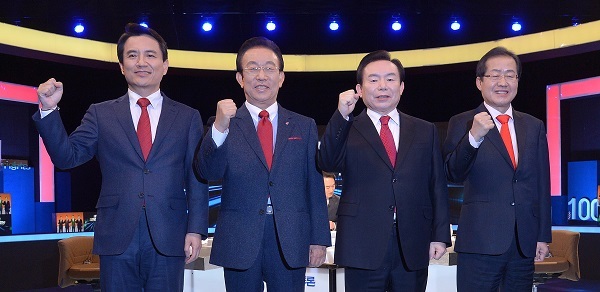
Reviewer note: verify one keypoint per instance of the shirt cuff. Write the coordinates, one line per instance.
(44, 113)
(218, 137)
(474, 143)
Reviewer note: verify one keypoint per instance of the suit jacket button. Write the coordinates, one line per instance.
(271, 183)
(512, 203)
(391, 207)
(261, 212)
(141, 195)
(394, 180)
(146, 171)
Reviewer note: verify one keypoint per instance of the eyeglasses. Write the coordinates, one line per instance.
(509, 77)
(267, 69)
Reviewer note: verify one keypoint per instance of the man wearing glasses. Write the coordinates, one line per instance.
(273, 219)
(501, 157)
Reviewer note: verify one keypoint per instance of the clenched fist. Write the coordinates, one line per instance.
(49, 93)
(482, 124)
(347, 102)
(226, 110)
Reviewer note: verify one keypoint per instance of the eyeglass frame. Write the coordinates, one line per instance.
(507, 76)
(254, 70)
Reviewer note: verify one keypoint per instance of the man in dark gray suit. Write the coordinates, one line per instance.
(501, 157)
(152, 211)
(273, 219)
(332, 200)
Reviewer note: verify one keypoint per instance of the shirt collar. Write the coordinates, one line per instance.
(495, 113)
(375, 116)
(154, 98)
(254, 110)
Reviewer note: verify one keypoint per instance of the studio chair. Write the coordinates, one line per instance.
(77, 264)
(563, 261)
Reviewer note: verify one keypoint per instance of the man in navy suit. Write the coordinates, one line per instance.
(393, 212)
(152, 211)
(505, 221)
(273, 217)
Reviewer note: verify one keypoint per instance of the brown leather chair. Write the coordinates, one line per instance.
(77, 263)
(564, 260)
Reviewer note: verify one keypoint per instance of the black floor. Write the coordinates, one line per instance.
(553, 285)
(570, 286)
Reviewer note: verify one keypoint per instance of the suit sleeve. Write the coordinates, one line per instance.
(211, 161)
(320, 234)
(545, 227)
(197, 191)
(458, 152)
(68, 151)
(439, 195)
(332, 148)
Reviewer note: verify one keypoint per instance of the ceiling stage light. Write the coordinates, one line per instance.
(207, 26)
(79, 28)
(144, 24)
(455, 25)
(396, 25)
(333, 25)
(516, 26)
(271, 26)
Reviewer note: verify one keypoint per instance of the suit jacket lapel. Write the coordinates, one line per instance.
(165, 122)
(521, 133)
(406, 137)
(495, 139)
(243, 120)
(123, 115)
(284, 129)
(365, 127)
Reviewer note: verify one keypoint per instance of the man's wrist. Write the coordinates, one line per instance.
(55, 108)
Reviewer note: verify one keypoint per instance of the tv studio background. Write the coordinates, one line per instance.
(435, 89)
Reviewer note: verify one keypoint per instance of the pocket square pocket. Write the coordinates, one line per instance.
(295, 138)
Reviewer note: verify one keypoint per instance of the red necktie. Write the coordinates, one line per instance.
(388, 140)
(505, 134)
(143, 128)
(265, 135)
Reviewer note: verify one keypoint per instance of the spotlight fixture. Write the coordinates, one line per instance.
(455, 25)
(333, 25)
(79, 28)
(396, 25)
(271, 26)
(207, 26)
(575, 21)
(144, 24)
(516, 26)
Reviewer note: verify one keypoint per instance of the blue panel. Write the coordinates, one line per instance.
(44, 222)
(19, 184)
(582, 190)
(62, 187)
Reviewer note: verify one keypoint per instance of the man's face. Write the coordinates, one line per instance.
(499, 94)
(329, 186)
(260, 87)
(381, 87)
(143, 64)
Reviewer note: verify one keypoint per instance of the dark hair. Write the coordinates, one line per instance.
(495, 52)
(134, 29)
(328, 175)
(255, 42)
(377, 56)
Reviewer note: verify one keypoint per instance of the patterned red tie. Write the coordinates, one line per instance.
(143, 129)
(388, 140)
(265, 135)
(505, 134)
